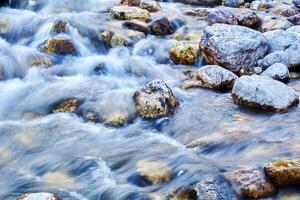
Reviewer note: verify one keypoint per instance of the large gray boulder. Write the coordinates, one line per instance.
(233, 47)
(280, 40)
(264, 93)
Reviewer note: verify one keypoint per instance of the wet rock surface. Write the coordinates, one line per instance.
(251, 183)
(284, 172)
(233, 47)
(264, 93)
(126, 12)
(184, 53)
(155, 100)
(62, 46)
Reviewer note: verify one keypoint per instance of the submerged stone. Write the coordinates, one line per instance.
(58, 27)
(264, 93)
(284, 172)
(154, 171)
(155, 100)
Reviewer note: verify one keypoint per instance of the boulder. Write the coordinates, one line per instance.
(264, 93)
(154, 171)
(278, 72)
(184, 53)
(69, 105)
(285, 11)
(38, 196)
(62, 46)
(251, 183)
(213, 77)
(274, 23)
(284, 172)
(155, 100)
(161, 26)
(258, 5)
(127, 13)
(279, 40)
(233, 47)
(150, 5)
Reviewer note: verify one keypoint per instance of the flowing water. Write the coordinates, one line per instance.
(64, 154)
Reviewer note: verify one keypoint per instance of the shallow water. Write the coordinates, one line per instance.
(64, 154)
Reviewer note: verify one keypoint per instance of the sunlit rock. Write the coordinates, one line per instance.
(278, 72)
(213, 77)
(251, 183)
(38, 196)
(155, 100)
(184, 53)
(232, 47)
(69, 106)
(161, 26)
(264, 93)
(62, 46)
(116, 119)
(150, 5)
(126, 13)
(118, 40)
(58, 27)
(284, 172)
(154, 171)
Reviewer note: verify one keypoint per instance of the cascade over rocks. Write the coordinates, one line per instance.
(233, 47)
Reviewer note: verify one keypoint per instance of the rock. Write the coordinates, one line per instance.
(155, 100)
(38, 196)
(294, 75)
(137, 26)
(161, 26)
(233, 3)
(118, 40)
(284, 172)
(296, 3)
(116, 119)
(127, 13)
(58, 27)
(62, 46)
(258, 5)
(69, 105)
(250, 183)
(285, 11)
(295, 19)
(272, 58)
(278, 72)
(264, 93)
(133, 2)
(232, 47)
(39, 60)
(201, 2)
(150, 5)
(106, 36)
(214, 77)
(154, 171)
(275, 23)
(279, 40)
(184, 53)
(224, 15)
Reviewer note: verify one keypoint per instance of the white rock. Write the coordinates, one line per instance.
(278, 72)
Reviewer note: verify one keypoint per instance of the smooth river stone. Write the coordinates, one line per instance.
(264, 93)
(278, 72)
